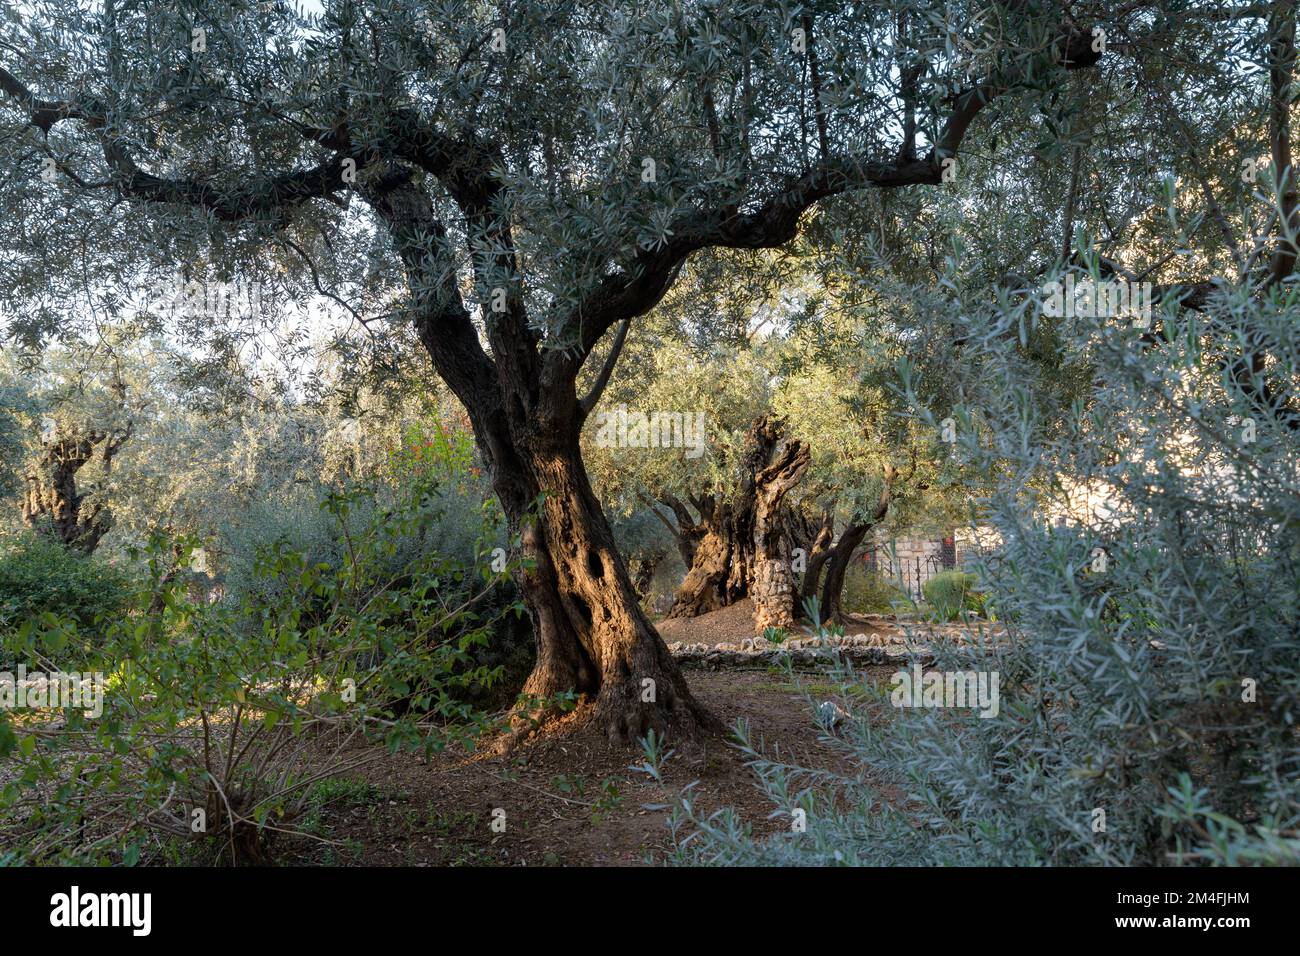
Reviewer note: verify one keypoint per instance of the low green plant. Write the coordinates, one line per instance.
(949, 593)
(221, 734)
(866, 591)
(39, 576)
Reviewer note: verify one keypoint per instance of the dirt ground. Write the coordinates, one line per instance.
(733, 624)
(569, 798)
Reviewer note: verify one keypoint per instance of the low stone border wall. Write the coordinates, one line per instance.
(758, 652)
(888, 647)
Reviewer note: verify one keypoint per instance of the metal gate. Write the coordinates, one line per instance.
(911, 573)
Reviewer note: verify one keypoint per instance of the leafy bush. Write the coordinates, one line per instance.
(39, 576)
(950, 592)
(214, 732)
(867, 592)
(435, 504)
(429, 477)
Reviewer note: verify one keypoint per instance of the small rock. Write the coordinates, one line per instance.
(831, 714)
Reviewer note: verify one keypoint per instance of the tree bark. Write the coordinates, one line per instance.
(838, 557)
(593, 639)
(52, 503)
(837, 567)
(817, 548)
(773, 587)
(720, 571)
(724, 568)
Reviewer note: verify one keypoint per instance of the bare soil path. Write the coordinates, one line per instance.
(569, 797)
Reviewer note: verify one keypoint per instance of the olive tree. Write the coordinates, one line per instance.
(517, 182)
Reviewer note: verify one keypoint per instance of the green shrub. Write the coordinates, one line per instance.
(950, 592)
(39, 576)
(436, 507)
(867, 592)
(441, 506)
(206, 718)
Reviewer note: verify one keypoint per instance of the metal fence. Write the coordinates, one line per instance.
(910, 573)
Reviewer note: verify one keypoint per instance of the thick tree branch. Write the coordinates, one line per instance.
(252, 197)
(43, 114)
(468, 168)
(633, 291)
(441, 318)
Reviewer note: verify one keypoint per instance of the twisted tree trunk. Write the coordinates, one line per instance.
(725, 561)
(593, 639)
(722, 561)
(52, 503)
(592, 636)
(773, 587)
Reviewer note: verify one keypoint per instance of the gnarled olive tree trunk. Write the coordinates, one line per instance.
(724, 565)
(773, 588)
(593, 638)
(53, 505)
(592, 635)
(722, 559)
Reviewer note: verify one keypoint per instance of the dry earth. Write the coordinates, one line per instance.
(569, 798)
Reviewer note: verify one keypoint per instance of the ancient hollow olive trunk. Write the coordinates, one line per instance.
(725, 566)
